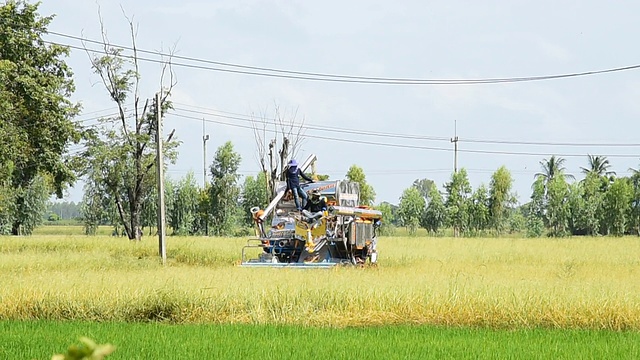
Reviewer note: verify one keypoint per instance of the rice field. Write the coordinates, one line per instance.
(574, 283)
(37, 339)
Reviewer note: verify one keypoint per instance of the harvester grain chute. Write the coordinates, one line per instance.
(344, 234)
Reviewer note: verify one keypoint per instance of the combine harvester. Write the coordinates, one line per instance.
(345, 234)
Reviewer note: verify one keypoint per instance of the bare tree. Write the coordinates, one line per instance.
(278, 138)
(120, 159)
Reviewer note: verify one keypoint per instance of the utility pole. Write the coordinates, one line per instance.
(454, 140)
(205, 137)
(160, 178)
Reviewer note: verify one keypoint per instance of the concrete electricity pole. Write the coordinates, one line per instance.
(160, 179)
(454, 140)
(205, 137)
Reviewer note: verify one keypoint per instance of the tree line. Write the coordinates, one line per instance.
(221, 208)
(600, 203)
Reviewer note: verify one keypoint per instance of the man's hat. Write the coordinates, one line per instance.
(315, 192)
(293, 162)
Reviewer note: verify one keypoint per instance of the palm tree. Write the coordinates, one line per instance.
(598, 165)
(552, 168)
(635, 177)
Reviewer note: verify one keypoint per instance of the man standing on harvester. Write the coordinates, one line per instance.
(293, 184)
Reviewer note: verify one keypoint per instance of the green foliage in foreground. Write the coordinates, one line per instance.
(86, 350)
(26, 340)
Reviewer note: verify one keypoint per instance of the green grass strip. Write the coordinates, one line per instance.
(42, 339)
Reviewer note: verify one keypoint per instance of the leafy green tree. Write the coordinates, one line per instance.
(66, 210)
(424, 186)
(538, 201)
(535, 226)
(31, 206)
(224, 191)
(184, 218)
(388, 212)
(254, 193)
(367, 194)
(500, 198)
(121, 156)
(395, 217)
(204, 206)
(635, 201)
(94, 207)
(7, 200)
(98, 208)
(458, 191)
(53, 217)
(410, 209)
(387, 228)
(8, 130)
(478, 210)
(430, 220)
(35, 111)
(149, 211)
(516, 221)
(535, 209)
(435, 215)
(598, 165)
(557, 207)
(577, 209)
(592, 205)
(617, 206)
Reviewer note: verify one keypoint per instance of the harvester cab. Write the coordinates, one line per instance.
(344, 234)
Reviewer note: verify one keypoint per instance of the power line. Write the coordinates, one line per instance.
(346, 78)
(547, 143)
(407, 146)
(265, 122)
(390, 172)
(390, 135)
(78, 121)
(112, 117)
(380, 172)
(113, 111)
(247, 118)
(312, 76)
(112, 108)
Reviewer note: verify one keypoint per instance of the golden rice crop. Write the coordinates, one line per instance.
(508, 283)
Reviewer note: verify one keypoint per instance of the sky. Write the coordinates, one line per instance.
(396, 132)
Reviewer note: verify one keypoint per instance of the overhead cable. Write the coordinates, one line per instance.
(408, 146)
(271, 121)
(312, 76)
